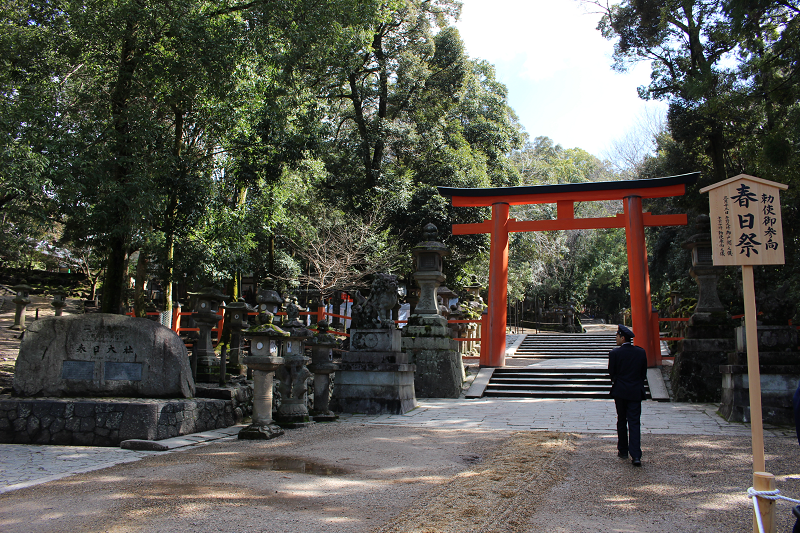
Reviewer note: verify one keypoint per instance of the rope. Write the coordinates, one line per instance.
(767, 495)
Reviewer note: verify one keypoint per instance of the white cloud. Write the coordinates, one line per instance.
(557, 67)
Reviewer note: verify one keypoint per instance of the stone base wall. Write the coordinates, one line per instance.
(695, 373)
(778, 384)
(107, 421)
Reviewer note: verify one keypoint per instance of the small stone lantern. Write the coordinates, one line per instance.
(205, 315)
(22, 299)
(428, 256)
(264, 359)
(704, 272)
(268, 299)
(322, 366)
(292, 377)
(59, 300)
(237, 315)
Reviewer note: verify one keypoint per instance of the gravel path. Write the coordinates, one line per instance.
(383, 479)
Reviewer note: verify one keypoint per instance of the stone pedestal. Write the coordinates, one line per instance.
(695, 373)
(264, 367)
(439, 368)
(779, 364)
(375, 376)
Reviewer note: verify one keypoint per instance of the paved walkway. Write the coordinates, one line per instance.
(26, 465)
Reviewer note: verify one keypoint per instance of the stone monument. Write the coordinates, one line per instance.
(709, 332)
(439, 368)
(102, 355)
(375, 376)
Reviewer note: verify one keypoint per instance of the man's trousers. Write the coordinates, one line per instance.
(629, 437)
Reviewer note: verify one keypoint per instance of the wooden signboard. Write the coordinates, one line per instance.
(746, 221)
(746, 230)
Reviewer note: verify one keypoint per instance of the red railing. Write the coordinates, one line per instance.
(317, 316)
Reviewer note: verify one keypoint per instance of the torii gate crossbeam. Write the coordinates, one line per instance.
(564, 196)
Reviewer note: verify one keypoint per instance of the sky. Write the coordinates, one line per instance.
(557, 67)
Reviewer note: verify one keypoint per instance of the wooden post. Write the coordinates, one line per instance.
(321, 312)
(753, 371)
(656, 339)
(176, 318)
(484, 342)
(764, 481)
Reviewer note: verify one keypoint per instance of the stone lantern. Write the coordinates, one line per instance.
(322, 366)
(474, 288)
(236, 315)
(427, 257)
(292, 377)
(439, 370)
(268, 299)
(59, 300)
(264, 359)
(22, 299)
(205, 315)
(704, 273)
(708, 337)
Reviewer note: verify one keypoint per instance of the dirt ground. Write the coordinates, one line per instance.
(385, 479)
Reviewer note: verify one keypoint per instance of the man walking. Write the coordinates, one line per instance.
(627, 365)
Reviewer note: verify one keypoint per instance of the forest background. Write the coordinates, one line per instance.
(198, 141)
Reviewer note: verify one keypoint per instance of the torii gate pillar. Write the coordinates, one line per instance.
(498, 288)
(639, 278)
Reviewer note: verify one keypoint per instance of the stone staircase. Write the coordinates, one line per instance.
(580, 372)
(566, 346)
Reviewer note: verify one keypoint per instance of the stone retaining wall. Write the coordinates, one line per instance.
(107, 421)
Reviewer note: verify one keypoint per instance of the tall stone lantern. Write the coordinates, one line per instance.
(708, 338)
(22, 299)
(428, 260)
(264, 359)
(322, 366)
(205, 315)
(59, 300)
(237, 316)
(293, 375)
(439, 370)
(709, 307)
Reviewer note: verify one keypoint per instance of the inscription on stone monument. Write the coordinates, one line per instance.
(78, 370)
(122, 371)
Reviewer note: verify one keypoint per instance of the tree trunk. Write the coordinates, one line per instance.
(114, 282)
(139, 295)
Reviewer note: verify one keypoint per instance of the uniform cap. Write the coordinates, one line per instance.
(625, 331)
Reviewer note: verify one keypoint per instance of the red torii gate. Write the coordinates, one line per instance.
(564, 196)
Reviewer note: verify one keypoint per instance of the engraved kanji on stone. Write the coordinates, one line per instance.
(81, 349)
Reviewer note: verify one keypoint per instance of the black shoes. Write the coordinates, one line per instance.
(636, 461)
(622, 455)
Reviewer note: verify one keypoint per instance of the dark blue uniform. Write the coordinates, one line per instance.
(627, 365)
